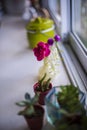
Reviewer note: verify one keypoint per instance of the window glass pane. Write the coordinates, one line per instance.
(80, 20)
(55, 6)
(59, 15)
(56, 10)
(59, 11)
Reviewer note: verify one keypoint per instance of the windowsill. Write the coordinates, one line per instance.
(74, 69)
(18, 72)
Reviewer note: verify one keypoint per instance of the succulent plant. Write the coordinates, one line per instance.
(28, 105)
(43, 85)
(73, 113)
(68, 98)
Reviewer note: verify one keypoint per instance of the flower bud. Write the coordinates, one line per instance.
(57, 38)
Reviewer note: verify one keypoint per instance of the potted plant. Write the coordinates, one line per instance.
(73, 113)
(42, 87)
(68, 98)
(65, 108)
(32, 112)
(72, 121)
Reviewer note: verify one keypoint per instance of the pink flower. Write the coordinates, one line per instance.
(41, 51)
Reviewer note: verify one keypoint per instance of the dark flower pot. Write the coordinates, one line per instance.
(42, 94)
(36, 122)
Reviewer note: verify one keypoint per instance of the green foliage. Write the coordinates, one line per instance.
(68, 99)
(73, 113)
(28, 105)
(75, 123)
(43, 85)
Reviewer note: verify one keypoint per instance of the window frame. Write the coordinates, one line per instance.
(76, 43)
(72, 61)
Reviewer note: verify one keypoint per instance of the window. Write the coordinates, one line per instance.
(79, 30)
(55, 9)
(80, 20)
(72, 26)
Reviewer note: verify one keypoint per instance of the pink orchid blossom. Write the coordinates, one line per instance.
(41, 51)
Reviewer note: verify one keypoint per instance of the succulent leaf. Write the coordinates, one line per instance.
(21, 103)
(27, 96)
(43, 84)
(73, 112)
(29, 104)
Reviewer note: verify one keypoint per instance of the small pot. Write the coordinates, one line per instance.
(42, 94)
(39, 29)
(36, 122)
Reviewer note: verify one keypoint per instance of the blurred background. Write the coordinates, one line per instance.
(21, 7)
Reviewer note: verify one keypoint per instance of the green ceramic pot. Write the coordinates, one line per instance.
(39, 29)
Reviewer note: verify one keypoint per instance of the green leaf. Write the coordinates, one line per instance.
(62, 111)
(34, 100)
(21, 112)
(41, 80)
(30, 111)
(28, 103)
(27, 111)
(21, 103)
(27, 96)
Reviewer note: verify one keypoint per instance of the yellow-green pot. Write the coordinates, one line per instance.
(39, 29)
